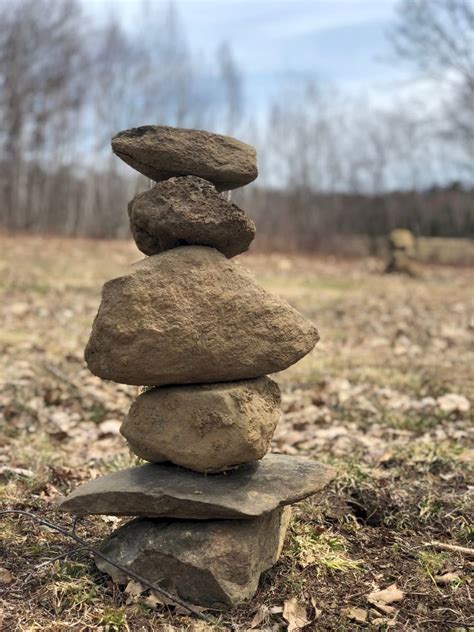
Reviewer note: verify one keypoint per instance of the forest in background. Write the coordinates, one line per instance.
(330, 164)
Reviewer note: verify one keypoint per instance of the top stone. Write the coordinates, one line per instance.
(161, 152)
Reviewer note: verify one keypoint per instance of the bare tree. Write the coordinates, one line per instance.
(43, 65)
(437, 37)
(231, 82)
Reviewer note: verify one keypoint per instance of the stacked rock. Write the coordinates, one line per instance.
(212, 508)
(401, 244)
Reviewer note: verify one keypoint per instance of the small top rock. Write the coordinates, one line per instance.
(161, 152)
(401, 239)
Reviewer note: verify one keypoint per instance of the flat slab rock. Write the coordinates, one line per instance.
(190, 315)
(161, 152)
(188, 211)
(211, 563)
(224, 424)
(155, 490)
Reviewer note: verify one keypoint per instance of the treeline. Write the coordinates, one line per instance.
(68, 82)
(308, 222)
(330, 165)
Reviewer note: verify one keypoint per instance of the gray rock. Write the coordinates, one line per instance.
(211, 563)
(161, 152)
(185, 212)
(224, 424)
(190, 315)
(169, 491)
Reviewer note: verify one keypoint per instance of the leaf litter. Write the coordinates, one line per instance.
(386, 398)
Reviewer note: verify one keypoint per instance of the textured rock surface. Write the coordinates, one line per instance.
(223, 424)
(401, 239)
(188, 211)
(161, 152)
(400, 262)
(190, 315)
(169, 491)
(212, 563)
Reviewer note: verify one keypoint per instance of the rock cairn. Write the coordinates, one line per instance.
(212, 508)
(401, 245)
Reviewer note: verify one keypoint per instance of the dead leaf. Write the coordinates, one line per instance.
(5, 576)
(383, 621)
(388, 595)
(317, 611)
(451, 403)
(295, 613)
(355, 614)
(446, 578)
(276, 609)
(260, 616)
(152, 601)
(382, 599)
(133, 589)
(109, 427)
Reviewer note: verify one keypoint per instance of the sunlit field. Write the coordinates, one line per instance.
(385, 397)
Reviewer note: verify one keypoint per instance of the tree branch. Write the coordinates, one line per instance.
(463, 550)
(63, 531)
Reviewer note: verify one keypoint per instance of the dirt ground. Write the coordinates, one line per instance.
(386, 397)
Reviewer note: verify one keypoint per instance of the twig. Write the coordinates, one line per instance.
(74, 524)
(464, 550)
(59, 375)
(51, 561)
(97, 553)
(60, 557)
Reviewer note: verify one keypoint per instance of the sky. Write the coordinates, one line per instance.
(276, 42)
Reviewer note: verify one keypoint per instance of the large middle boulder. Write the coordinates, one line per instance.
(225, 424)
(188, 211)
(190, 315)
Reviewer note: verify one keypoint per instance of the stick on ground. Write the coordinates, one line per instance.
(463, 550)
(51, 525)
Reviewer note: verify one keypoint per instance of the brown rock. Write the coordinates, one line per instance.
(161, 152)
(210, 563)
(188, 211)
(401, 239)
(168, 491)
(190, 315)
(401, 263)
(224, 424)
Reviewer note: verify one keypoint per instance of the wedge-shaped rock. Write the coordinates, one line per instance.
(161, 152)
(190, 315)
(211, 563)
(185, 212)
(168, 491)
(224, 424)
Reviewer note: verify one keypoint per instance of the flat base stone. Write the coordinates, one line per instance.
(212, 563)
(169, 491)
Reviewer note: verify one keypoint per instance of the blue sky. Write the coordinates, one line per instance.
(275, 42)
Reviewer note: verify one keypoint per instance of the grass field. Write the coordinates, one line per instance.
(385, 397)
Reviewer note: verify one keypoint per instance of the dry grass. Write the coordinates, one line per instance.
(370, 399)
